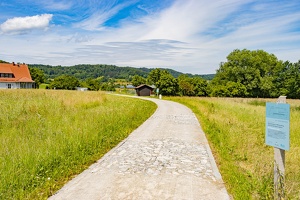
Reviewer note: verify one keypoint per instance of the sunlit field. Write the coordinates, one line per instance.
(47, 137)
(235, 128)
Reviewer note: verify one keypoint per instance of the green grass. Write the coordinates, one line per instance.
(126, 91)
(43, 86)
(47, 137)
(235, 129)
(256, 102)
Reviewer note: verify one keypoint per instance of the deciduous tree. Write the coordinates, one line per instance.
(167, 84)
(154, 76)
(37, 75)
(255, 70)
(138, 80)
(65, 82)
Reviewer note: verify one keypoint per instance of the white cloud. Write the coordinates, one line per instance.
(56, 5)
(24, 24)
(101, 12)
(186, 19)
(190, 36)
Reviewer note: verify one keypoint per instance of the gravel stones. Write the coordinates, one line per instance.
(155, 157)
(177, 119)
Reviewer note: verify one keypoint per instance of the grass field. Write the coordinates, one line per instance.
(235, 129)
(47, 137)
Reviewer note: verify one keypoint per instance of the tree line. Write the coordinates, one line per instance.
(68, 82)
(246, 73)
(86, 71)
(158, 78)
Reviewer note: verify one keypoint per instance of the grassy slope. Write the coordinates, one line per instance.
(46, 137)
(235, 129)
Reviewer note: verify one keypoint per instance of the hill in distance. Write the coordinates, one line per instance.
(85, 71)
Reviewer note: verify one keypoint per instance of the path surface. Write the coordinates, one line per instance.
(167, 157)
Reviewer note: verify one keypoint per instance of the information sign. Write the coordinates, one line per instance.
(278, 125)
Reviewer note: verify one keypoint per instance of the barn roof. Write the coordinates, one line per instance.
(143, 85)
(20, 71)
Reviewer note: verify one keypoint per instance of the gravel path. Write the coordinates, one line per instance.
(167, 157)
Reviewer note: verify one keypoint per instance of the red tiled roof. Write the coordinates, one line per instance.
(20, 71)
(4, 69)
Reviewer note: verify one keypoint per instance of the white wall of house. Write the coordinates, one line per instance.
(26, 85)
(6, 85)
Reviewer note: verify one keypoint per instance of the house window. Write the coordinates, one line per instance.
(7, 75)
(9, 86)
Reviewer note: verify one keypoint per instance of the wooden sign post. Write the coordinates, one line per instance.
(278, 136)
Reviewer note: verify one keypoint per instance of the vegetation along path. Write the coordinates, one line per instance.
(167, 157)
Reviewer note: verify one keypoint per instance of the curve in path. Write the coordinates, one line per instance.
(167, 157)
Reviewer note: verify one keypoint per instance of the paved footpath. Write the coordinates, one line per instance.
(167, 157)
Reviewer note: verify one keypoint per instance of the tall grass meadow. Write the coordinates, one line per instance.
(47, 137)
(235, 128)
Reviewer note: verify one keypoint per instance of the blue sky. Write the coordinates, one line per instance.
(191, 36)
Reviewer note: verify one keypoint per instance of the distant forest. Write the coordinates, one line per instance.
(85, 71)
(246, 73)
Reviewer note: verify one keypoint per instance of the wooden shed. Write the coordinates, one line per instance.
(143, 90)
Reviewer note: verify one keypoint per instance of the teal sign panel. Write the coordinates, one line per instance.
(278, 125)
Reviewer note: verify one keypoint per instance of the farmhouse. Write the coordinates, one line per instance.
(144, 90)
(15, 76)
